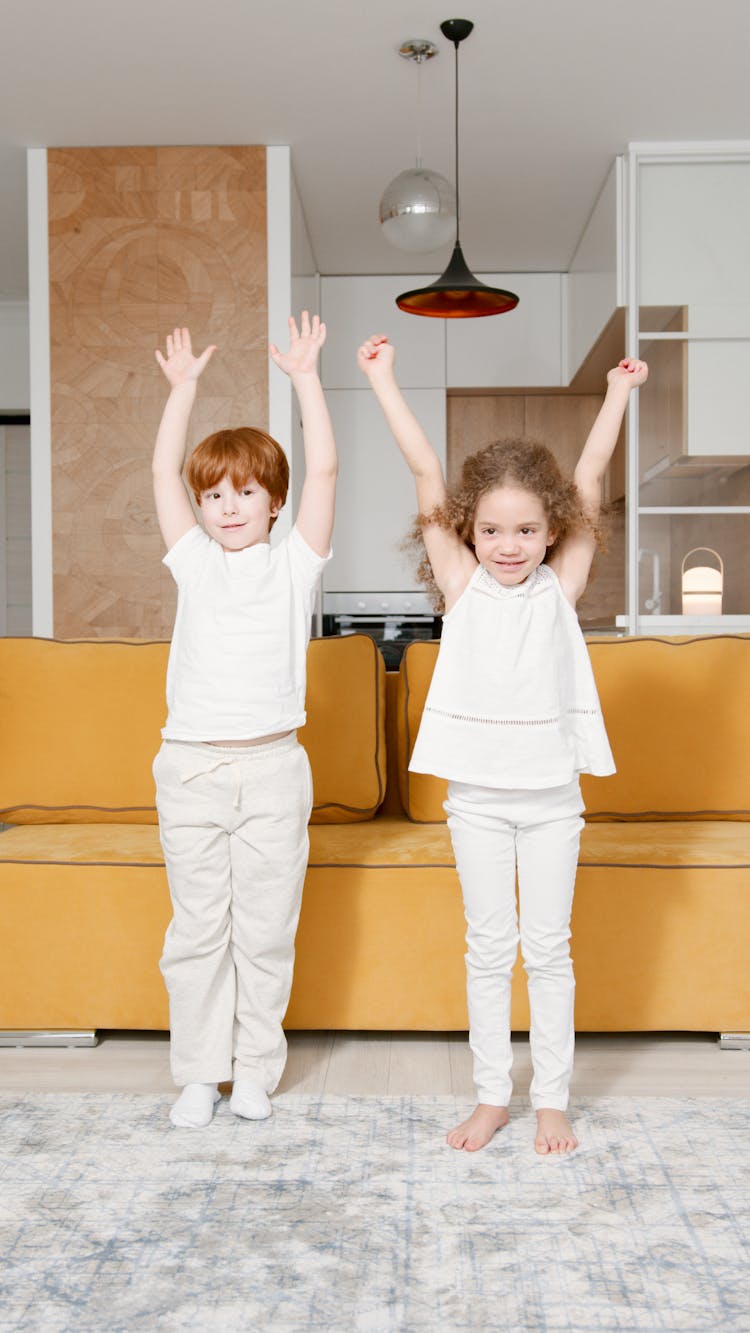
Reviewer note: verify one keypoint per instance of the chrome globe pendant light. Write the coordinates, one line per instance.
(457, 294)
(418, 208)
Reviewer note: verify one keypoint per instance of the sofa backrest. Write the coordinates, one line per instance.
(345, 731)
(678, 722)
(80, 725)
(679, 726)
(422, 796)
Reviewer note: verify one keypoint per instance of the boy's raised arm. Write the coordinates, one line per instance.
(183, 370)
(315, 515)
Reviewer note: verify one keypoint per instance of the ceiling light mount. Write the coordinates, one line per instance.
(418, 49)
(456, 30)
(457, 294)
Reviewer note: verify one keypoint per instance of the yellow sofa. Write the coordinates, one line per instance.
(661, 929)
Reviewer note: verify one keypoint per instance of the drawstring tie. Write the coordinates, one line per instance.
(210, 766)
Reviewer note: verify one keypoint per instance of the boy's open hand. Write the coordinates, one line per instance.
(376, 356)
(629, 371)
(304, 346)
(180, 365)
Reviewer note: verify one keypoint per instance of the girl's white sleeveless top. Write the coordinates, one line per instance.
(513, 701)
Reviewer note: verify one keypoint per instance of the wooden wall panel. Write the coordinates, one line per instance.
(141, 240)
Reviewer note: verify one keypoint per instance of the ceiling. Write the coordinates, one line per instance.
(550, 93)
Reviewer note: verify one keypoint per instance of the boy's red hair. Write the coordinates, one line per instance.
(239, 454)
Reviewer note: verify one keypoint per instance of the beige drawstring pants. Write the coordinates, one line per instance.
(233, 827)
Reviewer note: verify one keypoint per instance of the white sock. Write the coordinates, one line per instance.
(194, 1107)
(249, 1100)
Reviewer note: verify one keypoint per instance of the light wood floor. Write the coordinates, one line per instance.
(368, 1064)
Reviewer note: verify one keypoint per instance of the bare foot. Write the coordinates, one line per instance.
(554, 1134)
(475, 1132)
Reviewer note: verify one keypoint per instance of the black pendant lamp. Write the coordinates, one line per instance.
(457, 294)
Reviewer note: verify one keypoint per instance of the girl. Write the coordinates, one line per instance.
(512, 718)
(233, 786)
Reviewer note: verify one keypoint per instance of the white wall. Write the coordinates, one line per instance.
(592, 280)
(279, 250)
(15, 389)
(40, 396)
(15, 530)
(305, 295)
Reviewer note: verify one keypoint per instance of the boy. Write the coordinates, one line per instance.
(234, 790)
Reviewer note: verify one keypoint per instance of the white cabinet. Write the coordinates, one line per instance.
(520, 349)
(353, 308)
(693, 235)
(594, 281)
(694, 219)
(376, 501)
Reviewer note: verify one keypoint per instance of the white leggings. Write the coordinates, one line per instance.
(493, 831)
(233, 826)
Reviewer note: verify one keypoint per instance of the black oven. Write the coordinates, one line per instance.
(392, 619)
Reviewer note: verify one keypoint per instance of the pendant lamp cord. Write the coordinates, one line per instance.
(419, 112)
(458, 211)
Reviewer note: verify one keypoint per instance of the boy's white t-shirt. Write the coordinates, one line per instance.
(238, 656)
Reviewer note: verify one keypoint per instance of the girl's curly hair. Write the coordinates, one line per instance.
(513, 462)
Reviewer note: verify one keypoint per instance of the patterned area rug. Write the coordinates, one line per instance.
(350, 1213)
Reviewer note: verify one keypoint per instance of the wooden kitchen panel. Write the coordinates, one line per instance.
(141, 240)
(476, 421)
(562, 422)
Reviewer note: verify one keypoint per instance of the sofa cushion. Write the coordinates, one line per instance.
(81, 723)
(422, 796)
(660, 927)
(392, 843)
(345, 731)
(679, 726)
(648, 687)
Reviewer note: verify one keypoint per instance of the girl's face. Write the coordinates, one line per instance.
(511, 533)
(237, 518)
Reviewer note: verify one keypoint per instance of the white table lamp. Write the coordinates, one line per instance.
(702, 585)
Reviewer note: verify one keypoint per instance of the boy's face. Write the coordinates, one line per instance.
(238, 518)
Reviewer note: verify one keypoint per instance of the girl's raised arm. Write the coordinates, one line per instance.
(451, 560)
(572, 563)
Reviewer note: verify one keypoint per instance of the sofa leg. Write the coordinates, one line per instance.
(48, 1037)
(734, 1041)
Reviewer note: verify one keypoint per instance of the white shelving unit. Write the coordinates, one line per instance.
(687, 222)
